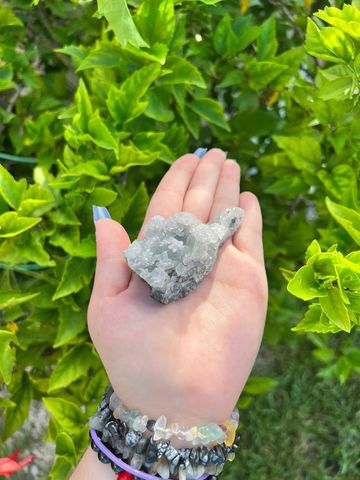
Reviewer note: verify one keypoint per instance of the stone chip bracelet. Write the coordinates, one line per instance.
(144, 445)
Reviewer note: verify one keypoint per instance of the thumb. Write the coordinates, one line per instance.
(112, 273)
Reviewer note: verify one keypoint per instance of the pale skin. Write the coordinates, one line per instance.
(188, 360)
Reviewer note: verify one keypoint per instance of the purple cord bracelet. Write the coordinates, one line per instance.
(117, 461)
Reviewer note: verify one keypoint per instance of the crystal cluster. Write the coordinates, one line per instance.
(178, 252)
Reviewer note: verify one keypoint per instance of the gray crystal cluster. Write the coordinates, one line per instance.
(178, 252)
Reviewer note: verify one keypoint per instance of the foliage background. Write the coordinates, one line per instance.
(93, 112)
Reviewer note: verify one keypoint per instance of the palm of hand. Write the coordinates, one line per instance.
(190, 359)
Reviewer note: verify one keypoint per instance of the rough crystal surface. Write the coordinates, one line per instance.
(176, 253)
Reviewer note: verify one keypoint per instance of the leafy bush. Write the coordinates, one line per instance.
(94, 106)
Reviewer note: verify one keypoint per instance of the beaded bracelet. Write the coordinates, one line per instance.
(118, 466)
(203, 435)
(157, 457)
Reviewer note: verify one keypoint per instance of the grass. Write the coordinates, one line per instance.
(306, 428)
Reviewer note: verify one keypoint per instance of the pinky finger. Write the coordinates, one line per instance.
(248, 238)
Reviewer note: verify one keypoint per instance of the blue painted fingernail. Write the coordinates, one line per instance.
(200, 152)
(100, 212)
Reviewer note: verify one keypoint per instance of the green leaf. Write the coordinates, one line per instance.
(11, 224)
(7, 355)
(347, 19)
(129, 156)
(120, 21)
(71, 323)
(267, 43)
(6, 403)
(10, 189)
(102, 196)
(124, 103)
(315, 321)
(304, 152)
(156, 21)
(101, 134)
(83, 103)
(259, 385)
(159, 105)
(339, 88)
(329, 44)
(65, 446)
(92, 168)
(262, 73)
(348, 218)
(8, 17)
(12, 298)
(312, 250)
(292, 60)
(156, 53)
(182, 72)
(36, 201)
(66, 413)
(325, 355)
(333, 307)
(134, 216)
(211, 110)
(61, 469)
(304, 284)
(224, 39)
(16, 416)
(341, 184)
(105, 55)
(72, 366)
(77, 273)
(96, 386)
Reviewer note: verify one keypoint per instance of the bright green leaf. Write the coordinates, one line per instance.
(155, 20)
(348, 218)
(120, 21)
(124, 103)
(304, 285)
(72, 366)
(182, 72)
(71, 323)
(347, 19)
(259, 385)
(7, 355)
(11, 224)
(333, 307)
(10, 189)
(304, 152)
(66, 413)
(77, 273)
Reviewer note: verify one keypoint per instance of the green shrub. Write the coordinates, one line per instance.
(95, 106)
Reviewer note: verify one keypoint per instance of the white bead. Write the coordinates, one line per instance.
(114, 401)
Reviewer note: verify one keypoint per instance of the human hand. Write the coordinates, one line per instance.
(190, 359)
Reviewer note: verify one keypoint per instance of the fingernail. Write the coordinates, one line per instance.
(100, 212)
(200, 152)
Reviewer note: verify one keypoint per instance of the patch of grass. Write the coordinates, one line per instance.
(306, 428)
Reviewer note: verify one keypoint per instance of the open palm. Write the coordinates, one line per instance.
(190, 359)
